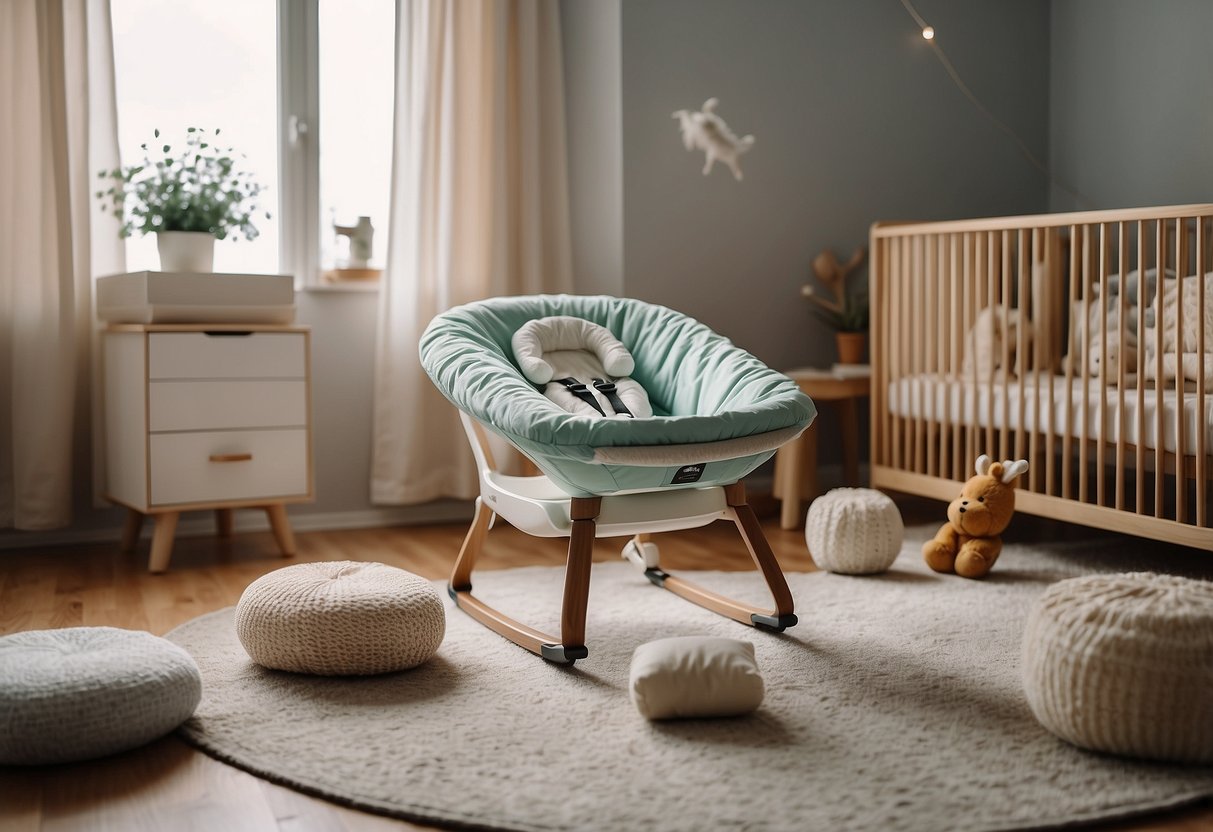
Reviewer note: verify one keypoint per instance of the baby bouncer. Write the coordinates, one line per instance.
(640, 419)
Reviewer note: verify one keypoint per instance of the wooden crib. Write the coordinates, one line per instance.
(1080, 342)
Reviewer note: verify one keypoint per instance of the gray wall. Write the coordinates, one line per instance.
(590, 35)
(1131, 111)
(855, 121)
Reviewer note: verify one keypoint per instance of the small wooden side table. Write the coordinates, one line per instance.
(796, 462)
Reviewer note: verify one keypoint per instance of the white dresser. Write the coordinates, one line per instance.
(206, 416)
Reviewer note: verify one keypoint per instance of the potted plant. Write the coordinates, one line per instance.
(188, 199)
(846, 310)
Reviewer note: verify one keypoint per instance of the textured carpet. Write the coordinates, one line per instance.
(895, 704)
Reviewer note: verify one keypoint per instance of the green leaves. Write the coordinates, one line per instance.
(199, 189)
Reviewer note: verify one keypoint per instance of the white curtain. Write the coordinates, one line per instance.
(57, 129)
(479, 208)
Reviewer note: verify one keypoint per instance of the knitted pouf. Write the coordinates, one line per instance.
(340, 618)
(855, 531)
(85, 692)
(1124, 664)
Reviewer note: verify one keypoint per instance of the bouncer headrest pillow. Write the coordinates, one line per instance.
(564, 332)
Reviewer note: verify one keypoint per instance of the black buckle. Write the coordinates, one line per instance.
(607, 388)
(582, 392)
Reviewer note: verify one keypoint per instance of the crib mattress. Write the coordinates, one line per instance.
(1109, 410)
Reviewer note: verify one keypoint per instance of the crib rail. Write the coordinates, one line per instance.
(1080, 342)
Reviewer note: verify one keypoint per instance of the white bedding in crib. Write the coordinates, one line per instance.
(966, 402)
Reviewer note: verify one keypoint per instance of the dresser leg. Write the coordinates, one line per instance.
(130, 529)
(223, 522)
(282, 528)
(162, 541)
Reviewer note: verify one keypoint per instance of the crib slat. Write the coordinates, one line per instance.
(1143, 244)
(990, 373)
(1122, 310)
(1004, 303)
(956, 285)
(1067, 437)
(1052, 327)
(1034, 307)
(907, 333)
(1201, 427)
(1181, 447)
(1100, 479)
(969, 281)
(1083, 474)
(879, 365)
(939, 326)
(1160, 263)
(1021, 352)
(894, 353)
(917, 348)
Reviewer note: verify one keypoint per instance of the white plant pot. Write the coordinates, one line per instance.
(186, 251)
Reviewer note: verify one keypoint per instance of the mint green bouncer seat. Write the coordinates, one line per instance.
(718, 413)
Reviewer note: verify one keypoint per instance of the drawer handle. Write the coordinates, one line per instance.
(231, 457)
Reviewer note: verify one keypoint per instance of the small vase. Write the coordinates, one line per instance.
(851, 346)
(186, 251)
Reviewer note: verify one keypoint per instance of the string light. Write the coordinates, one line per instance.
(928, 34)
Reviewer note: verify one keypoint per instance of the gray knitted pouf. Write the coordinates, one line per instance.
(854, 531)
(85, 692)
(340, 618)
(1124, 664)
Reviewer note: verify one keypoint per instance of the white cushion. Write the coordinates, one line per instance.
(85, 692)
(695, 676)
(562, 333)
(340, 618)
(563, 346)
(1124, 664)
(854, 531)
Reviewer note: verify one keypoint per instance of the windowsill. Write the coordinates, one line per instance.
(359, 288)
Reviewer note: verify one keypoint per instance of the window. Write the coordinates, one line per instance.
(302, 88)
(356, 106)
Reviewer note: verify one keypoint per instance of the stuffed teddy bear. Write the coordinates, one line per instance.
(969, 543)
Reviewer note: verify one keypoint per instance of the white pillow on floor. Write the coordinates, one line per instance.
(695, 676)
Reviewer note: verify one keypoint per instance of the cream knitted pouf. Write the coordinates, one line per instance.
(85, 692)
(855, 531)
(340, 618)
(1124, 664)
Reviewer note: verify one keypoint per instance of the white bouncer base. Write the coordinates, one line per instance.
(538, 507)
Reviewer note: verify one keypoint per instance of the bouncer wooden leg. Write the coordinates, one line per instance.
(764, 558)
(162, 541)
(584, 512)
(782, 616)
(130, 529)
(570, 646)
(461, 575)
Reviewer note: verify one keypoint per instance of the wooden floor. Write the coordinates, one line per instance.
(170, 786)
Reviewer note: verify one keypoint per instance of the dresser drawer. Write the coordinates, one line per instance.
(185, 355)
(216, 405)
(227, 465)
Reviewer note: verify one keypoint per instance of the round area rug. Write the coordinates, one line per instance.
(895, 704)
